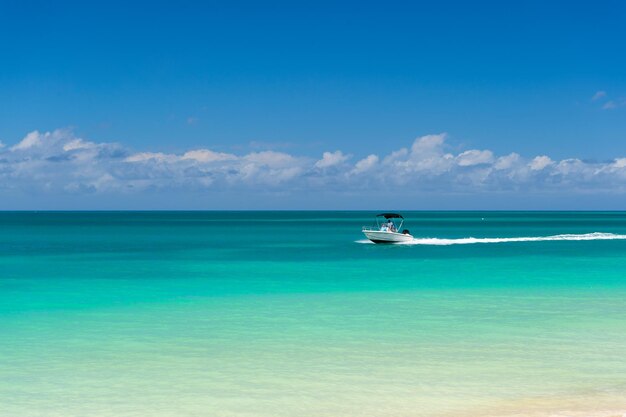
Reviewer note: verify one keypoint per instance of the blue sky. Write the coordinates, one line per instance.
(294, 80)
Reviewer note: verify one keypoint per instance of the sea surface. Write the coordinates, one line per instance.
(285, 314)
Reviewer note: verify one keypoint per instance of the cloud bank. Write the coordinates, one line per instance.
(60, 163)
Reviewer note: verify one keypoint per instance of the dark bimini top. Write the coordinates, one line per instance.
(390, 216)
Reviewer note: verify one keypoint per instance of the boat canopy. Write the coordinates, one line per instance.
(390, 215)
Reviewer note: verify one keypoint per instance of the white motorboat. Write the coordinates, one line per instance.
(387, 231)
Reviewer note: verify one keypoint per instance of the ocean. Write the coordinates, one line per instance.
(282, 313)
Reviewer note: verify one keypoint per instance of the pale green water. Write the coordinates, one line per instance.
(286, 314)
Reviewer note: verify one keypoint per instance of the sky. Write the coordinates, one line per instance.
(312, 105)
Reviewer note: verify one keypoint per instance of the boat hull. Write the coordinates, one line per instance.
(378, 236)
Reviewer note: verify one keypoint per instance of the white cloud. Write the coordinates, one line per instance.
(507, 162)
(474, 157)
(365, 164)
(60, 162)
(540, 162)
(425, 157)
(428, 145)
(598, 95)
(609, 105)
(32, 139)
(614, 103)
(620, 163)
(205, 155)
(77, 144)
(330, 159)
(271, 159)
(151, 156)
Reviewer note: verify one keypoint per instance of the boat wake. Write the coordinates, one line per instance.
(472, 240)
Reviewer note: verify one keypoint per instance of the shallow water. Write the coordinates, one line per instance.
(286, 313)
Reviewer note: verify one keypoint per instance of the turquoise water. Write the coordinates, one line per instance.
(293, 314)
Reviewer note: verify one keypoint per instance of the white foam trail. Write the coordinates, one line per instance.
(472, 240)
